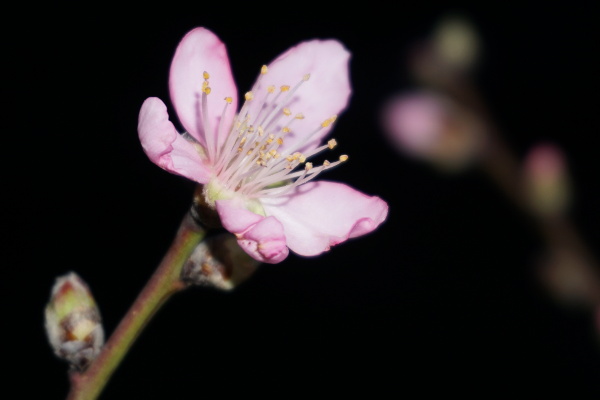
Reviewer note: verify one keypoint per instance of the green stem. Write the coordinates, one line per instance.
(165, 282)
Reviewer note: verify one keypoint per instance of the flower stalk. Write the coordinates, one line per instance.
(165, 282)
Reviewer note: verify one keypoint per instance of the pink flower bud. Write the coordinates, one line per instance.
(428, 126)
(73, 322)
(546, 180)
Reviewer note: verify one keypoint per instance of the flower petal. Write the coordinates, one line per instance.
(262, 238)
(325, 94)
(321, 214)
(201, 51)
(165, 147)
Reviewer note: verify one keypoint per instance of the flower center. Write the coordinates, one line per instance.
(252, 163)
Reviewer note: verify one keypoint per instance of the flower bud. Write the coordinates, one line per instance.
(570, 277)
(448, 55)
(546, 180)
(73, 323)
(220, 262)
(434, 128)
(456, 44)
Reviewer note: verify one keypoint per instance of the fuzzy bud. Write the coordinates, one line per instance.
(73, 322)
(220, 262)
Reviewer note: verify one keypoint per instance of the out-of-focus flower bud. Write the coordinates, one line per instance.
(596, 317)
(73, 322)
(431, 127)
(451, 52)
(219, 262)
(456, 43)
(570, 277)
(546, 181)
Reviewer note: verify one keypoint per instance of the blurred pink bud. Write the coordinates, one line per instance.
(546, 180)
(73, 322)
(429, 126)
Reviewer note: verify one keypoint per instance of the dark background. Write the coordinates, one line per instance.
(441, 299)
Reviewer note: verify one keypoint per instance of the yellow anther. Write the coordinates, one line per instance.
(228, 100)
(240, 149)
(271, 89)
(326, 163)
(331, 143)
(286, 129)
(204, 85)
(308, 166)
(205, 75)
(271, 136)
(286, 111)
(329, 121)
(285, 88)
(343, 157)
(299, 116)
(290, 158)
(306, 77)
(243, 140)
(301, 158)
(206, 90)
(261, 131)
(264, 69)
(279, 141)
(250, 151)
(272, 152)
(269, 140)
(249, 96)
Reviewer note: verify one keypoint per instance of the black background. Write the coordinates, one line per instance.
(441, 299)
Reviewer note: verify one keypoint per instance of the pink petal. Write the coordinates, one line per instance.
(201, 50)
(324, 95)
(165, 147)
(262, 238)
(322, 214)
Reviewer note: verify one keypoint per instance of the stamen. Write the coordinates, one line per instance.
(209, 135)
(249, 161)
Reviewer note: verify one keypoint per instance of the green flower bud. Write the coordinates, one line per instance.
(73, 323)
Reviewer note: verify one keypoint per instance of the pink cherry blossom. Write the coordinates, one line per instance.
(253, 164)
